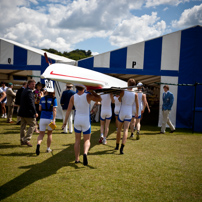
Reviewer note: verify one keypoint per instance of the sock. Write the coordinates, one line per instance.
(117, 146)
(121, 149)
(37, 149)
(101, 135)
(48, 148)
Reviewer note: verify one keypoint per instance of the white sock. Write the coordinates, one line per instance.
(101, 135)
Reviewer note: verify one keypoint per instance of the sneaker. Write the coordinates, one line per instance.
(104, 141)
(172, 131)
(138, 135)
(5, 117)
(38, 149)
(85, 160)
(2, 116)
(77, 161)
(64, 132)
(49, 150)
(131, 136)
(100, 140)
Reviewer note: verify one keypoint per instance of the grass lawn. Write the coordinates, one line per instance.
(155, 168)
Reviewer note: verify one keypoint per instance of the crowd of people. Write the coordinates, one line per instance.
(35, 103)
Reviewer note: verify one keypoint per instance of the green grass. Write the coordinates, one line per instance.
(154, 168)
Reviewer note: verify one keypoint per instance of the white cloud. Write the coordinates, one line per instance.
(189, 17)
(153, 3)
(137, 29)
(61, 24)
(165, 9)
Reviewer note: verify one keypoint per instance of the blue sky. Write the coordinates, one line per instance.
(96, 25)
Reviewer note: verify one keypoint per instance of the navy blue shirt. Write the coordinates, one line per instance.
(66, 95)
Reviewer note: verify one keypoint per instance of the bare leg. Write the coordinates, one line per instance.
(118, 136)
(107, 122)
(102, 124)
(49, 138)
(86, 138)
(40, 137)
(125, 132)
(77, 146)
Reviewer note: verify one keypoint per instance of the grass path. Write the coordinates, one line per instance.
(154, 168)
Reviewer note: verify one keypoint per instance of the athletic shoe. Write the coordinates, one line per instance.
(2, 116)
(49, 150)
(64, 132)
(131, 136)
(77, 162)
(104, 141)
(138, 135)
(38, 149)
(172, 131)
(85, 160)
(100, 140)
(5, 117)
(161, 133)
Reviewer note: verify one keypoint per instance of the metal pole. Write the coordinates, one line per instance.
(194, 106)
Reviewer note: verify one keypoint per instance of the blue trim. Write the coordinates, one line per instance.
(152, 55)
(88, 131)
(77, 131)
(20, 56)
(118, 58)
(86, 63)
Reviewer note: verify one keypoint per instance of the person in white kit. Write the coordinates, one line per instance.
(4, 101)
(117, 109)
(127, 99)
(81, 101)
(105, 117)
(142, 104)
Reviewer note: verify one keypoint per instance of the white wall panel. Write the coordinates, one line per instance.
(171, 51)
(102, 60)
(6, 52)
(135, 53)
(33, 58)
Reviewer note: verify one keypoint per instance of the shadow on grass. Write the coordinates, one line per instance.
(39, 171)
(7, 145)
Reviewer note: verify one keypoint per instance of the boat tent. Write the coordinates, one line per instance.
(19, 62)
(174, 58)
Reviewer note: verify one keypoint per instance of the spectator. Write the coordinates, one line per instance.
(4, 101)
(17, 100)
(168, 100)
(64, 101)
(10, 102)
(27, 113)
(38, 94)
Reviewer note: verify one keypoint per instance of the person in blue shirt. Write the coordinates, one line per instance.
(47, 106)
(64, 101)
(168, 100)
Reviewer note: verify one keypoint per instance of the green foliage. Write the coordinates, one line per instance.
(75, 54)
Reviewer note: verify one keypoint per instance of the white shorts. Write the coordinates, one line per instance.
(125, 113)
(106, 113)
(43, 123)
(4, 100)
(82, 124)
